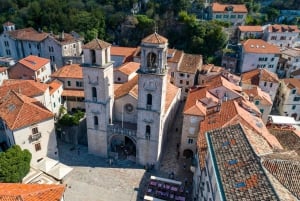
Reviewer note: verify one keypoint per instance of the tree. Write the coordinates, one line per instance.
(14, 164)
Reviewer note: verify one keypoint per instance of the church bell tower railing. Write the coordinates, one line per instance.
(116, 129)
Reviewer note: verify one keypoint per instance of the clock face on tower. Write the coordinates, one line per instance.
(129, 107)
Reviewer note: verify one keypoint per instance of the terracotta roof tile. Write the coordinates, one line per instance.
(8, 23)
(286, 172)
(260, 47)
(73, 93)
(293, 83)
(190, 63)
(237, 8)
(3, 69)
(294, 52)
(177, 57)
(283, 28)
(28, 34)
(250, 28)
(69, 71)
(127, 52)
(54, 85)
(239, 170)
(96, 44)
(172, 91)
(155, 38)
(31, 192)
(67, 38)
(126, 88)
(34, 62)
(20, 111)
(260, 95)
(255, 76)
(129, 68)
(28, 88)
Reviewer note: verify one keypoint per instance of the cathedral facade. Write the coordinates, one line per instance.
(136, 115)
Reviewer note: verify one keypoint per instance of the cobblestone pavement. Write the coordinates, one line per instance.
(93, 179)
(169, 162)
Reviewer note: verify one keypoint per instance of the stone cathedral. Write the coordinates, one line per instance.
(135, 115)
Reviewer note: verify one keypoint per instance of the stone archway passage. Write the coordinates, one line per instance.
(124, 146)
(187, 153)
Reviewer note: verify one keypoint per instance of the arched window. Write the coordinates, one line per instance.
(149, 101)
(93, 56)
(94, 93)
(148, 132)
(96, 121)
(151, 60)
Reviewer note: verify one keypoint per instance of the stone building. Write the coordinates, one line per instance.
(138, 113)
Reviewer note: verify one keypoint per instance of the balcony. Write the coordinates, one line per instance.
(122, 129)
(35, 137)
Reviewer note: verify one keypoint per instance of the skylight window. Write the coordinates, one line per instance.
(240, 185)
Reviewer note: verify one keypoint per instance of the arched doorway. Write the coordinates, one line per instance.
(187, 153)
(124, 146)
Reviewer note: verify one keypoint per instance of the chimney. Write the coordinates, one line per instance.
(62, 35)
(70, 62)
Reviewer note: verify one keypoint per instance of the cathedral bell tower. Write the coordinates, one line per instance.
(151, 99)
(98, 93)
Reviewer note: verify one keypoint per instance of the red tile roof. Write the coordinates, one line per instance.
(127, 52)
(260, 95)
(28, 34)
(3, 69)
(155, 38)
(255, 76)
(19, 111)
(250, 28)
(69, 71)
(283, 28)
(28, 88)
(31, 192)
(237, 8)
(190, 63)
(293, 83)
(54, 85)
(34, 62)
(96, 44)
(260, 47)
(73, 93)
(129, 68)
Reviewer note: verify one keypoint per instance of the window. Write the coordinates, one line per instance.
(187, 82)
(38, 147)
(257, 102)
(187, 75)
(270, 66)
(54, 105)
(95, 120)
(172, 74)
(181, 75)
(186, 90)
(149, 101)
(148, 132)
(283, 38)
(34, 130)
(38, 46)
(293, 91)
(266, 59)
(218, 16)
(74, 45)
(265, 84)
(207, 185)
(29, 45)
(151, 60)
(225, 16)
(271, 84)
(128, 107)
(69, 83)
(272, 59)
(240, 16)
(78, 84)
(293, 107)
(94, 93)
(297, 99)
(273, 38)
(8, 52)
(261, 111)
(233, 16)
(180, 81)
(6, 44)
(190, 141)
